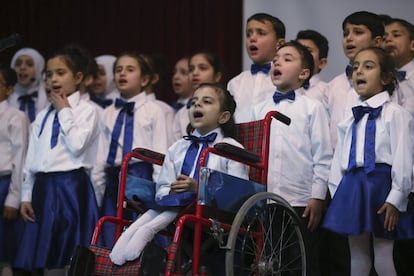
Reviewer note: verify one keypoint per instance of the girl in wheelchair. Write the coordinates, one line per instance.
(211, 118)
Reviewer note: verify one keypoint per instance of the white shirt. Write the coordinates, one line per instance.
(394, 138)
(300, 154)
(180, 123)
(14, 132)
(76, 147)
(169, 113)
(318, 90)
(405, 89)
(149, 132)
(248, 90)
(341, 98)
(174, 159)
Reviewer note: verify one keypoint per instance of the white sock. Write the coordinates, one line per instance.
(384, 260)
(117, 254)
(360, 254)
(146, 233)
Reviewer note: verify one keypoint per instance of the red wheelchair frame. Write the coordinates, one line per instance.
(255, 136)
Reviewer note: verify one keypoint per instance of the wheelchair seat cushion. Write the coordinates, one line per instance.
(180, 199)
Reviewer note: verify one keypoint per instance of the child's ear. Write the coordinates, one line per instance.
(322, 63)
(78, 78)
(9, 90)
(280, 42)
(412, 46)
(224, 117)
(304, 74)
(378, 40)
(145, 79)
(155, 78)
(217, 77)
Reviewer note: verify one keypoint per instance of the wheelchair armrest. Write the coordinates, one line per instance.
(238, 152)
(159, 157)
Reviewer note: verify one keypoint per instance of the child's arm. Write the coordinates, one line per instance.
(19, 133)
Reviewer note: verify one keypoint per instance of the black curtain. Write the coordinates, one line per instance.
(172, 28)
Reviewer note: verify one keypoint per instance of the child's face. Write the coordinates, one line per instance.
(181, 81)
(261, 41)
(366, 75)
(287, 71)
(202, 71)
(357, 37)
(205, 111)
(320, 63)
(128, 77)
(60, 79)
(98, 86)
(5, 91)
(398, 44)
(25, 70)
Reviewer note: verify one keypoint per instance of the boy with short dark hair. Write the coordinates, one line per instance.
(318, 46)
(264, 34)
(399, 44)
(303, 146)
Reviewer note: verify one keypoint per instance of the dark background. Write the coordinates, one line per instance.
(172, 28)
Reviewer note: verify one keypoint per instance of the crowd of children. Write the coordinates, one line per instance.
(345, 163)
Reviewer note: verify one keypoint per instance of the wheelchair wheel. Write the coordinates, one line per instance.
(266, 239)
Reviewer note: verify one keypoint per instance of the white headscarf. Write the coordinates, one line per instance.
(107, 61)
(39, 63)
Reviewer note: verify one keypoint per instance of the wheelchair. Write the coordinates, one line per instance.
(259, 232)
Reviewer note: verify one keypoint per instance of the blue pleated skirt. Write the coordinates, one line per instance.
(10, 231)
(353, 209)
(66, 213)
(109, 202)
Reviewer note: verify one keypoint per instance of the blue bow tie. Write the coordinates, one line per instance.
(177, 105)
(255, 68)
(306, 85)
(401, 75)
(348, 71)
(125, 114)
(277, 96)
(191, 154)
(102, 102)
(369, 143)
(27, 102)
(127, 106)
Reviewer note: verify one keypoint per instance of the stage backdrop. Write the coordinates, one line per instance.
(325, 16)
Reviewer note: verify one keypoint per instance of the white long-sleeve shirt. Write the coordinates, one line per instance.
(300, 154)
(14, 132)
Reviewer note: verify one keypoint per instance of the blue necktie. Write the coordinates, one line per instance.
(401, 75)
(191, 154)
(348, 71)
(55, 127)
(369, 143)
(177, 105)
(27, 102)
(277, 96)
(126, 113)
(102, 102)
(256, 68)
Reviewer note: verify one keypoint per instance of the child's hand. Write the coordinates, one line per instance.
(314, 211)
(10, 213)
(27, 212)
(391, 216)
(183, 184)
(59, 100)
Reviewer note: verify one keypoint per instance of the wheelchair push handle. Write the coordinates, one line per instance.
(281, 117)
